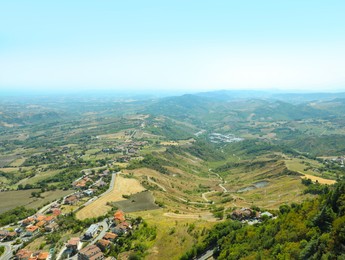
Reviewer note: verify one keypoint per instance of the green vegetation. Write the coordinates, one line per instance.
(314, 229)
(2, 250)
(200, 157)
(15, 215)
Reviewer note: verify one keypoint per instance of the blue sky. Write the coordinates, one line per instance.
(172, 45)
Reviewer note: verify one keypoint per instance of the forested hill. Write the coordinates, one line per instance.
(314, 229)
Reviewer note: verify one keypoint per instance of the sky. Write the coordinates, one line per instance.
(172, 45)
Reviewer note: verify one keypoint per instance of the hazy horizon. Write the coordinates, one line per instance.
(173, 46)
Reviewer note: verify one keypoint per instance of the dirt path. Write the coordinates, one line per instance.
(160, 186)
(203, 216)
(192, 202)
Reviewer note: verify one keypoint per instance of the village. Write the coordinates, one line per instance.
(87, 188)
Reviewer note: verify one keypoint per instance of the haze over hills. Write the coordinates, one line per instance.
(200, 167)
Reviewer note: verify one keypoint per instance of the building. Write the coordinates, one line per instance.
(71, 200)
(11, 235)
(110, 236)
(91, 231)
(51, 227)
(103, 244)
(3, 234)
(28, 221)
(73, 244)
(43, 256)
(31, 230)
(241, 214)
(23, 254)
(91, 252)
(56, 211)
(119, 216)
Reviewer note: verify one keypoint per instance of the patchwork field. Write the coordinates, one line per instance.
(122, 186)
(138, 202)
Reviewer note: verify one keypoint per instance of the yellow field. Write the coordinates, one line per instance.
(319, 179)
(18, 162)
(298, 166)
(123, 186)
(172, 143)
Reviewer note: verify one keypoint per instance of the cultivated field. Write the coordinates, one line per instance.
(138, 202)
(122, 186)
(12, 199)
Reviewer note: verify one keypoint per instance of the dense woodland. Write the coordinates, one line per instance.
(314, 229)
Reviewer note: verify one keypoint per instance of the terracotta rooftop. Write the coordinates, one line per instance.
(73, 241)
(43, 256)
(109, 235)
(49, 218)
(103, 242)
(41, 223)
(31, 228)
(119, 215)
(56, 212)
(40, 217)
(23, 254)
(91, 251)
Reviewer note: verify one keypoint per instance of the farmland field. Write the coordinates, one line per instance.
(123, 186)
(12, 199)
(138, 202)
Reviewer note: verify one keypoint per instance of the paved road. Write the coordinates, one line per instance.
(111, 187)
(208, 255)
(105, 226)
(8, 251)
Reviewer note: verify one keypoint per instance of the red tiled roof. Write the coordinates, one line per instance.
(43, 256)
(49, 218)
(109, 235)
(41, 217)
(73, 241)
(119, 215)
(31, 228)
(23, 254)
(41, 223)
(56, 212)
(103, 242)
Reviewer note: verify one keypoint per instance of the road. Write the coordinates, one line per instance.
(105, 228)
(208, 255)
(111, 187)
(8, 251)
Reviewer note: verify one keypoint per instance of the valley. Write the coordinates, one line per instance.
(177, 166)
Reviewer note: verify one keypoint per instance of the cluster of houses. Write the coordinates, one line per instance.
(249, 216)
(6, 235)
(95, 251)
(340, 160)
(40, 222)
(128, 150)
(25, 254)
